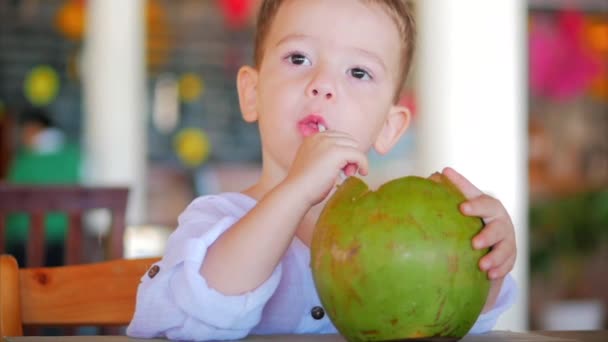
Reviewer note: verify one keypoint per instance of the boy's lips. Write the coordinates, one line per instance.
(310, 125)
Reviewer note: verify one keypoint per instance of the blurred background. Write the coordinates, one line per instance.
(142, 93)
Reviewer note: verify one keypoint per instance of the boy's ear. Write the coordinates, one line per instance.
(396, 123)
(247, 84)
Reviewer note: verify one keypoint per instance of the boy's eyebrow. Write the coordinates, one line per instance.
(369, 54)
(373, 56)
(293, 36)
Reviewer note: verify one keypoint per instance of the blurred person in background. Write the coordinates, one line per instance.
(44, 156)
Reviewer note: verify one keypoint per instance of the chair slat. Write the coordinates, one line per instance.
(2, 232)
(117, 234)
(73, 246)
(35, 245)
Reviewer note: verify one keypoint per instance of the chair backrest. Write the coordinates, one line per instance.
(7, 132)
(100, 294)
(74, 200)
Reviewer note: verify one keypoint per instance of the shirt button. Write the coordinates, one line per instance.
(153, 271)
(317, 312)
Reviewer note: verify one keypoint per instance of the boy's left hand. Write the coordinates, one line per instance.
(498, 233)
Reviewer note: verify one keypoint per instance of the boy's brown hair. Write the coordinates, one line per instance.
(399, 10)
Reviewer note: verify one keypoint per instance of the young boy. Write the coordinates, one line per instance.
(323, 90)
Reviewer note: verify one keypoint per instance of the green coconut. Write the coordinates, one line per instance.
(398, 263)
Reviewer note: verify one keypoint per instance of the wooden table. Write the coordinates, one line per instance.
(495, 336)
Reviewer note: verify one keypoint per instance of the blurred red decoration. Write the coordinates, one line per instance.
(561, 67)
(597, 36)
(158, 38)
(597, 41)
(70, 19)
(236, 12)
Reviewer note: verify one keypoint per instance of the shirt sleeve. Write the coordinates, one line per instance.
(174, 300)
(507, 296)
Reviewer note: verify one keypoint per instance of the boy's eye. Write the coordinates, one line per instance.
(360, 74)
(299, 59)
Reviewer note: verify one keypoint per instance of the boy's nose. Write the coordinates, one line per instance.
(320, 91)
(321, 86)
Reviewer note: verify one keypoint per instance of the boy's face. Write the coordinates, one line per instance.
(334, 62)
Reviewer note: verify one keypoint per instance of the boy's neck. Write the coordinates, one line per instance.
(271, 177)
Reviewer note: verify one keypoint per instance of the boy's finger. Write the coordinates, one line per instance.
(483, 206)
(499, 254)
(490, 235)
(350, 169)
(345, 142)
(502, 270)
(467, 188)
(355, 161)
(337, 134)
(332, 135)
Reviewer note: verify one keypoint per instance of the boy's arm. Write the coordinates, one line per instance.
(254, 246)
(191, 310)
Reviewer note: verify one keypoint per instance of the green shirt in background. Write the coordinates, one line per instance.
(31, 167)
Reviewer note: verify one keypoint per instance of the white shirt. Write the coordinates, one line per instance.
(174, 300)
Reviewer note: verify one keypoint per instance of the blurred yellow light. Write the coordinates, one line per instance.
(192, 146)
(41, 85)
(190, 87)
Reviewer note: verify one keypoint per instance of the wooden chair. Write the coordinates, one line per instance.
(100, 294)
(7, 137)
(74, 200)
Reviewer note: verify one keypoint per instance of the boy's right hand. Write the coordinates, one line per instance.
(319, 161)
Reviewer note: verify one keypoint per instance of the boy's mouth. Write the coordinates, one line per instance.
(311, 124)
